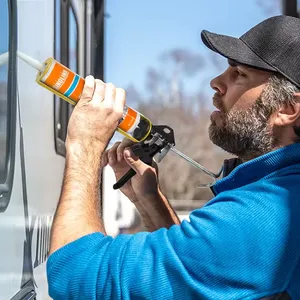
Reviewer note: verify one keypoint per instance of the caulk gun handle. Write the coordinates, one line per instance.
(124, 179)
(145, 156)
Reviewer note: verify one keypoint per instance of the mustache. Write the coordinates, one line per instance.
(218, 103)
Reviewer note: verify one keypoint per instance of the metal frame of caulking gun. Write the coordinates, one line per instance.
(161, 139)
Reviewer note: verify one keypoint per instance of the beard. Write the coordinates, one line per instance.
(246, 133)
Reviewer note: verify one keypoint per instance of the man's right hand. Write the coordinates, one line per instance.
(142, 185)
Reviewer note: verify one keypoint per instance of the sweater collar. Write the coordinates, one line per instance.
(255, 169)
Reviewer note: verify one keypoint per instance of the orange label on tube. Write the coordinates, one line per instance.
(129, 120)
(63, 80)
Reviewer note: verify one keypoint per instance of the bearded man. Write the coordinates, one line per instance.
(244, 243)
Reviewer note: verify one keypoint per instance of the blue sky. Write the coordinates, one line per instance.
(137, 32)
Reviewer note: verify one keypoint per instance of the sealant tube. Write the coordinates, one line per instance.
(68, 85)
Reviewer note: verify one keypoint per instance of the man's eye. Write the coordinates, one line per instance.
(240, 73)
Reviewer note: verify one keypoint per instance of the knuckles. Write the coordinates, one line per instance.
(110, 87)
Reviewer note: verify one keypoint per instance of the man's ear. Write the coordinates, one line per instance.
(288, 114)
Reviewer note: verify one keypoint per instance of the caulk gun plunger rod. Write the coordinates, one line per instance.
(194, 163)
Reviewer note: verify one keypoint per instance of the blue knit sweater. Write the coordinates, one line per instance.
(243, 244)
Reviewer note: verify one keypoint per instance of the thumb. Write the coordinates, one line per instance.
(134, 162)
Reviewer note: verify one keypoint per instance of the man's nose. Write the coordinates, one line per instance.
(218, 85)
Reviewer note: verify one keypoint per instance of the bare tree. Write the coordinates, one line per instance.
(133, 95)
(185, 61)
(270, 7)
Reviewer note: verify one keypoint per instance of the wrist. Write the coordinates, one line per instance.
(154, 197)
(86, 156)
(84, 147)
(156, 212)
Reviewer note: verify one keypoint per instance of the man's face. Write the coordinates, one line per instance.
(238, 126)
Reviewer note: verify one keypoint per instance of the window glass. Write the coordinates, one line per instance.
(66, 52)
(73, 41)
(73, 46)
(59, 145)
(57, 30)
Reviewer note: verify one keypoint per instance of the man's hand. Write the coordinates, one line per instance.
(142, 185)
(96, 116)
(91, 125)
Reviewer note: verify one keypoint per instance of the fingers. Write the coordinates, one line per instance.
(110, 94)
(122, 146)
(116, 152)
(110, 155)
(119, 152)
(88, 90)
(134, 162)
(120, 100)
(99, 92)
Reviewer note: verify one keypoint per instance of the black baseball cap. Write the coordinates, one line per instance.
(272, 45)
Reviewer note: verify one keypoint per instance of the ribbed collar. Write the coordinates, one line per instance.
(258, 168)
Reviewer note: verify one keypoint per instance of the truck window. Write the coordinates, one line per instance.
(66, 52)
(73, 46)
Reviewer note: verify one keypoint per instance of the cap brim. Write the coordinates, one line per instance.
(234, 49)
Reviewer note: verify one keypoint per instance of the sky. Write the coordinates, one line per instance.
(138, 32)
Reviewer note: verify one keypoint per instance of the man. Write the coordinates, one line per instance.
(244, 243)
